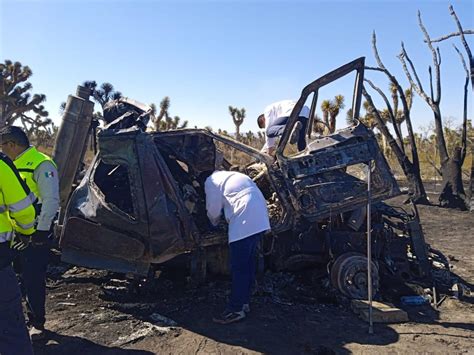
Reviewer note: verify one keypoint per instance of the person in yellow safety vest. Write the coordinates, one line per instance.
(41, 176)
(17, 220)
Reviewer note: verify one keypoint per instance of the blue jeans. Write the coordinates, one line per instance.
(278, 127)
(243, 255)
(14, 338)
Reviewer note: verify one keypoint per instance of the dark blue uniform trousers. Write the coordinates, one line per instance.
(33, 263)
(243, 260)
(14, 338)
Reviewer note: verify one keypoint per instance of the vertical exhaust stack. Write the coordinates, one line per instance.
(71, 140)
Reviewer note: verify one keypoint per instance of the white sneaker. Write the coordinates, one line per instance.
(36, 334)
(229, 317)
(246, 308)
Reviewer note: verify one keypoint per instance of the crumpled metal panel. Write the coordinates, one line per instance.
(170, 226)
(158, 212)
(318, 180)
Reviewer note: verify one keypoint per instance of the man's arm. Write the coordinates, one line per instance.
(269, 146)
(46, 177)
(213, 202)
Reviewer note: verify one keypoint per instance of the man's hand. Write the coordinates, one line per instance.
(21, 242)
(41, 237)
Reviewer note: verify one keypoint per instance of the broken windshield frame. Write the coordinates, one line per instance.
(357, 65)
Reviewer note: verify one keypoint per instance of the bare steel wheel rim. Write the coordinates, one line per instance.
(349, 275)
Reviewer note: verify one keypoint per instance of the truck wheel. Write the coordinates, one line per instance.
(349, 275)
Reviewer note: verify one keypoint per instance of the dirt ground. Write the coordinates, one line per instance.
(89, 313)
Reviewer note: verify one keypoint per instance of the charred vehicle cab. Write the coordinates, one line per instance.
(141, 202)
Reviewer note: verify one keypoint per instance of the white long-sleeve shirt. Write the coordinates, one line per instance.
(277, 110)
(245, 208)
(46, 177)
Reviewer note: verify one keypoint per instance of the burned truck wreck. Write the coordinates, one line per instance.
(141, 202)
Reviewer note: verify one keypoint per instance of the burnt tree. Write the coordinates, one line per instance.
(452, 192)
(411, 168)
(461, 33)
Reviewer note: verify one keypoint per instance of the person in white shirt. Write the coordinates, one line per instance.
(274, 119)
(245, 210)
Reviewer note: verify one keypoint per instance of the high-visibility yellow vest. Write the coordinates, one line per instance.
(27, 163)
(16, 209)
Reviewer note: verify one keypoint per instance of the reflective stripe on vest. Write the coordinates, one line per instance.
(20, 205)
(27, 163)
(15, 201)
(25, 226)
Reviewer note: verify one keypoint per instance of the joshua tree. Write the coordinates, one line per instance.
(325, 108)
(101, 95)
(238, 117)
(16, 99)
(330, 110)
(335, 107)
(104, 93)
(163, 121)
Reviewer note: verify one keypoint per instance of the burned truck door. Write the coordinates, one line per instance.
(124, 215)
(106, 223)
(329, 175)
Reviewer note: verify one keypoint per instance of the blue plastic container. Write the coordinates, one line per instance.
(413, 300)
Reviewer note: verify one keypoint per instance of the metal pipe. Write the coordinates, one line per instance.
(369, 245)
(71, 140)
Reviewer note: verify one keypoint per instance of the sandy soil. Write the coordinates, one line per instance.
(84, 317)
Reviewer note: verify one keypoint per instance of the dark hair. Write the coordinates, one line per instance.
(260, 122)
(14, 134)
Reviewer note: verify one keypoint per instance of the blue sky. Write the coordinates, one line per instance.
(207, 55)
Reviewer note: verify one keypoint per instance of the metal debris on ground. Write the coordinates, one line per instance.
(162, 320)
(145, 329)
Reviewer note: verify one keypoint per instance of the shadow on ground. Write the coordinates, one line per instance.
(62, 344)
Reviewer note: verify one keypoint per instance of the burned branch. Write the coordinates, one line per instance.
(454, 34)
(391, 113)
(402, 158)
(464, 120)
(461, 33)
(410, 171)
(419, 194)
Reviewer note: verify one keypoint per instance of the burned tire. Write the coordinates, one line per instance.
(349, 275)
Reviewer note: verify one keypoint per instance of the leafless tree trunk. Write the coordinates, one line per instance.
(471, 184)
(416, 187)
(452, 193)
(410, 168)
